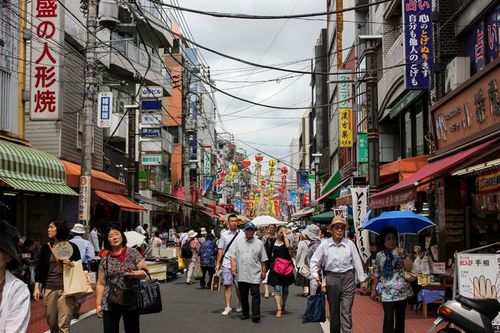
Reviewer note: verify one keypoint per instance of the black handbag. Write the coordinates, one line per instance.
(149, 296)
(120, 299)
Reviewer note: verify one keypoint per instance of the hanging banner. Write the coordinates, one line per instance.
(418, 43)
(47, 17)
(84, 200)
(362, 148)
(340, 28)
(345, 127)
(359, 210)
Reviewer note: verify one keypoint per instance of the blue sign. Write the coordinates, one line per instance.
(208, 182)
(303, 178)
(151, 133)
(418, 43)
(151, 105)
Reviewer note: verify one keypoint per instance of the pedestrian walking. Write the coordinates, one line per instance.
(268, 241)
(248, 266)
(208, 252)
(94, 241)
(300, 280)
(339, 259)
(389, 267)
(310, 233)
(87, 254)
(155, 241)
(224, 261)
(190, 253)
(49, 278)
(119, 273)
(203, 233)
(281, 273)
(15, 303)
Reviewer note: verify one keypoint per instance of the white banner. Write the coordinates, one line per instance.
(359, 209)
(478, 277)
(47, 17)
(84, 200)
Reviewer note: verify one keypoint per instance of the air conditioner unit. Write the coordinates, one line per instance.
(457, 72)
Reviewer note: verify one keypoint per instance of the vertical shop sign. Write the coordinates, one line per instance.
(340, 28)
(104, 109)
(207, 161)
(362, 148)
(493, 32)
(359, 210)
(418, 43)
(345, 127)
(45, 60)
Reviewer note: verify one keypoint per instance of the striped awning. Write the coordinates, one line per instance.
(27, 169)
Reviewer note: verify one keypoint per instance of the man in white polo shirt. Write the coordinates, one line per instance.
(227, 240)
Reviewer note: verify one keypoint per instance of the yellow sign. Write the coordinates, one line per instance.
(489, 182)
(345, 127)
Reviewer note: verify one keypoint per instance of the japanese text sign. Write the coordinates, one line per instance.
(478, 277)
(45, 60)
(418, 43)
(362, 148)
(345, 127)
(104, 109)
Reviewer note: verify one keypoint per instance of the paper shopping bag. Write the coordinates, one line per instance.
(75, 280)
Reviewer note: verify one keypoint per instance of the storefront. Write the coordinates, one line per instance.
(32, 188)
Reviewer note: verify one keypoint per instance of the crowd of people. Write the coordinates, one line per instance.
(318, 259)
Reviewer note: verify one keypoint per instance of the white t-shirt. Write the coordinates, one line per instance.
(225, 239)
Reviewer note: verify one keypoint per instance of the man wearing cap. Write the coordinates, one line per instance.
(14, 294)
(248, 266)
(86, 249)
(192, 263)
(339, 258)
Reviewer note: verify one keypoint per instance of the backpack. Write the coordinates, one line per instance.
(186, 251)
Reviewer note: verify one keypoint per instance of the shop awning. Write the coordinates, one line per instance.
(149, 201)
(402, 169)
(125, 203)
(303, 213)
(27, 169)
(99, 180)
(323, 217)
(209, 214)
(405, 190)
(181, 201)
(329, 193)
(331, 182)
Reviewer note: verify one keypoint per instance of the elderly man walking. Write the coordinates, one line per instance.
(339, 258)
(248, 266)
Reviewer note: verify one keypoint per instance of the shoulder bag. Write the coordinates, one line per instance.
(149, 295)
(119, 298)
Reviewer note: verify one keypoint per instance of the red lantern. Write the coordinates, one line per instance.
(259, 158)
(246, 163)
(263, 181)
(284, 170)
(223, 173)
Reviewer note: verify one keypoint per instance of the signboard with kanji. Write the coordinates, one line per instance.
(345, 127)
(45, 60)
(362, 148)
(418, 43)
(478, 277)
(104, 109)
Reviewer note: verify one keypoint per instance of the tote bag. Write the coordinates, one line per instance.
(75, 280)
(149, 296)
(315, 310)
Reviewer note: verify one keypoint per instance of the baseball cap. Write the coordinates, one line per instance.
(249, 225)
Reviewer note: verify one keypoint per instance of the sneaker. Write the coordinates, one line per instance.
(238, 309)
(227, 311)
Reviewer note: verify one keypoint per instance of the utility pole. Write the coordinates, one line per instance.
(88, 112)
(372, 116)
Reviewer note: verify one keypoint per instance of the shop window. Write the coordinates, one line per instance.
(387, 147)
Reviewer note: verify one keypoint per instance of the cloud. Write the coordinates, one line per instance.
(266, 42)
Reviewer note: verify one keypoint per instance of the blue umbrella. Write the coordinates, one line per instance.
(404, 221)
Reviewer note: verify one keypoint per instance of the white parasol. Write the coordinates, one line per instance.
(134, 238)
(265, 220)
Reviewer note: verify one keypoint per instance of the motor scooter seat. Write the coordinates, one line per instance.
(489, 307)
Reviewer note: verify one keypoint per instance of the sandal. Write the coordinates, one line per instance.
(278, 313)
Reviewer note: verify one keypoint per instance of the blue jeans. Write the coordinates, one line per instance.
(280, 290)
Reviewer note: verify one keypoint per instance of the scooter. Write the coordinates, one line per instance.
(470, 315)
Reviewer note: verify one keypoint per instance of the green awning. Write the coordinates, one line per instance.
(323, 217)
(404, 102)
(331, 182)
(28, 169)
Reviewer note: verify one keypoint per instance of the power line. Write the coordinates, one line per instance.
(266, 17)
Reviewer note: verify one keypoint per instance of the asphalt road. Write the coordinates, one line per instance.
(190, 309)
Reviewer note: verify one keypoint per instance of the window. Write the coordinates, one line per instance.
(419, 129)
(5, 105)
(408, 151)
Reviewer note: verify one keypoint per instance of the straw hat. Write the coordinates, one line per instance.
(192, 234)
(78, 229)
(338, 220)
(203, 231)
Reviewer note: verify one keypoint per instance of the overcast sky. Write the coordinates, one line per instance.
(260, 41)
